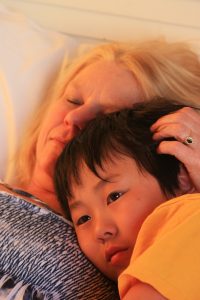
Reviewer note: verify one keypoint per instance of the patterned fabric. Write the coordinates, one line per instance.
(40, 257)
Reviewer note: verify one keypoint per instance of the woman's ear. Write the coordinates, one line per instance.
(185, 184)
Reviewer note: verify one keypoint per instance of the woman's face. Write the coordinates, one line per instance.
(101, 87)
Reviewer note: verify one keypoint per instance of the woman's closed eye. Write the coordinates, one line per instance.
(74, 101)
(114, 196)
(82, 220)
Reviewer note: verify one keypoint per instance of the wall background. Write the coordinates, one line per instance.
(116, 19)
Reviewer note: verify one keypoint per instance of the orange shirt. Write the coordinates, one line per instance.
(167, 252)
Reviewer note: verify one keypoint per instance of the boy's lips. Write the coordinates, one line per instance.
(114, 253)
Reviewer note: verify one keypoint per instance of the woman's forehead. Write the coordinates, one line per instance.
(106, 80)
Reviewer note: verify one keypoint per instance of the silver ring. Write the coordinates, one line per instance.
(188, 140)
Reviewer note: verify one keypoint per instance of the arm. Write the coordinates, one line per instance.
(142, 291)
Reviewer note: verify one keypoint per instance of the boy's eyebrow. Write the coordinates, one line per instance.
(75, 204)
(102, 182)
(106, 180)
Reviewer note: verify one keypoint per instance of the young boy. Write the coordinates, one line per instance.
(114, 186)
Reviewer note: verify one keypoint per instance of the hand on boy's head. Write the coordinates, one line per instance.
(181, 125)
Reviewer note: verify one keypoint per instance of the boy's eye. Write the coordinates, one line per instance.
(74, 101)
(113, 197)
(83, 220)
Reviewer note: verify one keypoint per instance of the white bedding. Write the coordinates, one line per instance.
(30, 57)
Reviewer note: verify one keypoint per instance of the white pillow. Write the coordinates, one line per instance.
(30, 57)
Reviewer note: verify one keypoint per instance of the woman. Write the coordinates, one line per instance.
(110, 77)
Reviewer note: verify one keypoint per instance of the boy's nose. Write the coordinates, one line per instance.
(105, 230)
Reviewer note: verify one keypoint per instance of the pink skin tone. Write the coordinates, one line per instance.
(99, 88)
(110, 214)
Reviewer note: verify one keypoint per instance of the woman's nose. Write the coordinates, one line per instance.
(79, 117)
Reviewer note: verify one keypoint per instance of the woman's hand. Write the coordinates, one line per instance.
(181, 125)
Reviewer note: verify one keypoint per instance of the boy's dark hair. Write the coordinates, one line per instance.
(126, 132)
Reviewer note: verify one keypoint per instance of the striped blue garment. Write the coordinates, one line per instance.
(40, 257)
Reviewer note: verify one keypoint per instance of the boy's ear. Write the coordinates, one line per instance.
(185, 184)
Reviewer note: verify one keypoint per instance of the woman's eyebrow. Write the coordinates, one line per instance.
(74, 84)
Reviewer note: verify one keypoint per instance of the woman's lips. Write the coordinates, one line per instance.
(59, 140)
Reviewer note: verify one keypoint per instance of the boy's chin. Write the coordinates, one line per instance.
(113, 274)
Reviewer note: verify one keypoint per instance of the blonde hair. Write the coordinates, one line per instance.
(161, 68)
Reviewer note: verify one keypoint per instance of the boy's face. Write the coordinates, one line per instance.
(108, 214)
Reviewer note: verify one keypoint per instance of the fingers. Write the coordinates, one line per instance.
(189, 155)
(177, 131)
(177, 149)
(179, 125)
(184, 116)
(184, 127)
